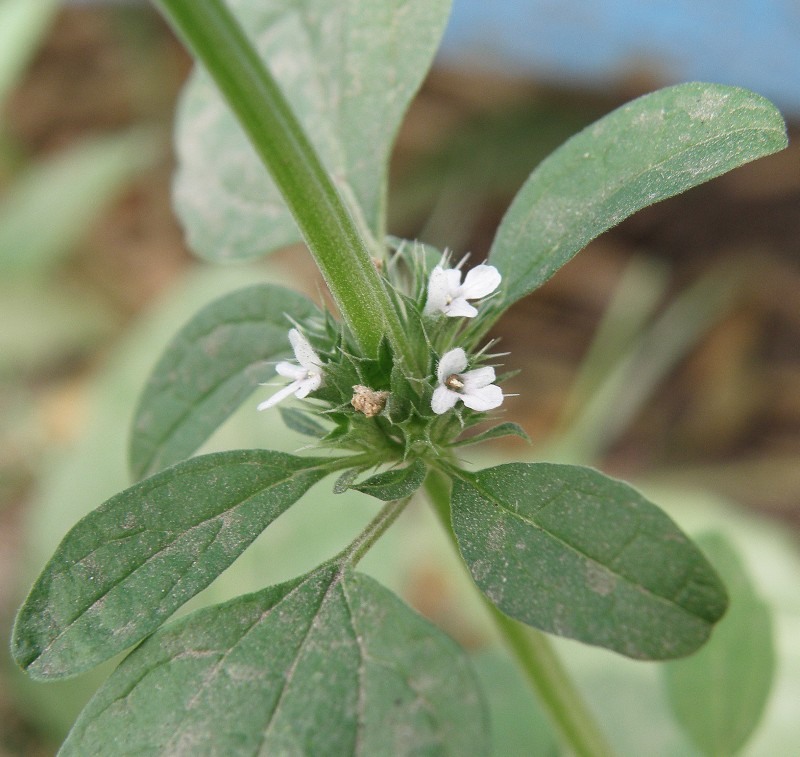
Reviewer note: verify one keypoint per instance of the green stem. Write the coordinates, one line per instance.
(541, 666)
(374, 530)
(331, 233)
(536, 657)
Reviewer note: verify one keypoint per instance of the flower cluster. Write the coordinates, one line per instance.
(446, 295)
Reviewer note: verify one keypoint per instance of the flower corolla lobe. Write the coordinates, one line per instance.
(306, 377)
(474, 388)
(446, 293)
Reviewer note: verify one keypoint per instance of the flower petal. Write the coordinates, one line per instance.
(303, 350)
(443, 399)
(292, 371)
(311, 383)
(279, 395)
(485, 398)
(453, 361)
(478, 378)
(460, 307)
(480, 281)
(440, 289)
(453, 279)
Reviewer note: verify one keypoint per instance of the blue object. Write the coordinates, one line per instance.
(749, 43)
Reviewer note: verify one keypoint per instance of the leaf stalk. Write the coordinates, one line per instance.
(359, 547)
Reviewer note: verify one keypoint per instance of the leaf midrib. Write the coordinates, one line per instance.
(622, 578)
(537, 259)
(82, 612)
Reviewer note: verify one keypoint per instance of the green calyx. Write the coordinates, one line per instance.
(378, 405)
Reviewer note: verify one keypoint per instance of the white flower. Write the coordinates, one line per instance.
(306, 377)
(446, 293)
(474, 388)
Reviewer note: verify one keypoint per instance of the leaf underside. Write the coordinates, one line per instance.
(575, 553)
(349, 71)
(332, 663)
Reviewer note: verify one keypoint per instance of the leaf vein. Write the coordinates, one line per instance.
(336, 578)
(483, 491)
(603, 198)
(172, 534)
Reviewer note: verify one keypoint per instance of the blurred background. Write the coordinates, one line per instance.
(667, 353)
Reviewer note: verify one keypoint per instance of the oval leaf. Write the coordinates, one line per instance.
(349, 71)
(331, 664)
(302, 422)
(719, 694)
(652, 148)
(495, 432)
(127, 566)
(573, 552)
(213, 364)
(397, 483)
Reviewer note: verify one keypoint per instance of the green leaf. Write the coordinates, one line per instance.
(573, 552)
(495, 432)
(652, 148)
(343, 482)
(127, 566)
(301, 422)
(331, 664)
(718, 695)
(349, 71)
(396, 483)
(213, 364)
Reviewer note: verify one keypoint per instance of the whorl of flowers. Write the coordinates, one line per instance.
(445, 294)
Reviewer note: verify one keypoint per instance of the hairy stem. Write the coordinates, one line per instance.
(536, 657)
(329, 229)
(373, 531)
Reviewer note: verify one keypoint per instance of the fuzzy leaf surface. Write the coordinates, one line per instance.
(332, 663)
(575, 553)
(495, 432)
(396, 483)
(128, 565)
(302, 422)
(213, 364)
(652, 148)
(349, 71)
(718, 695)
